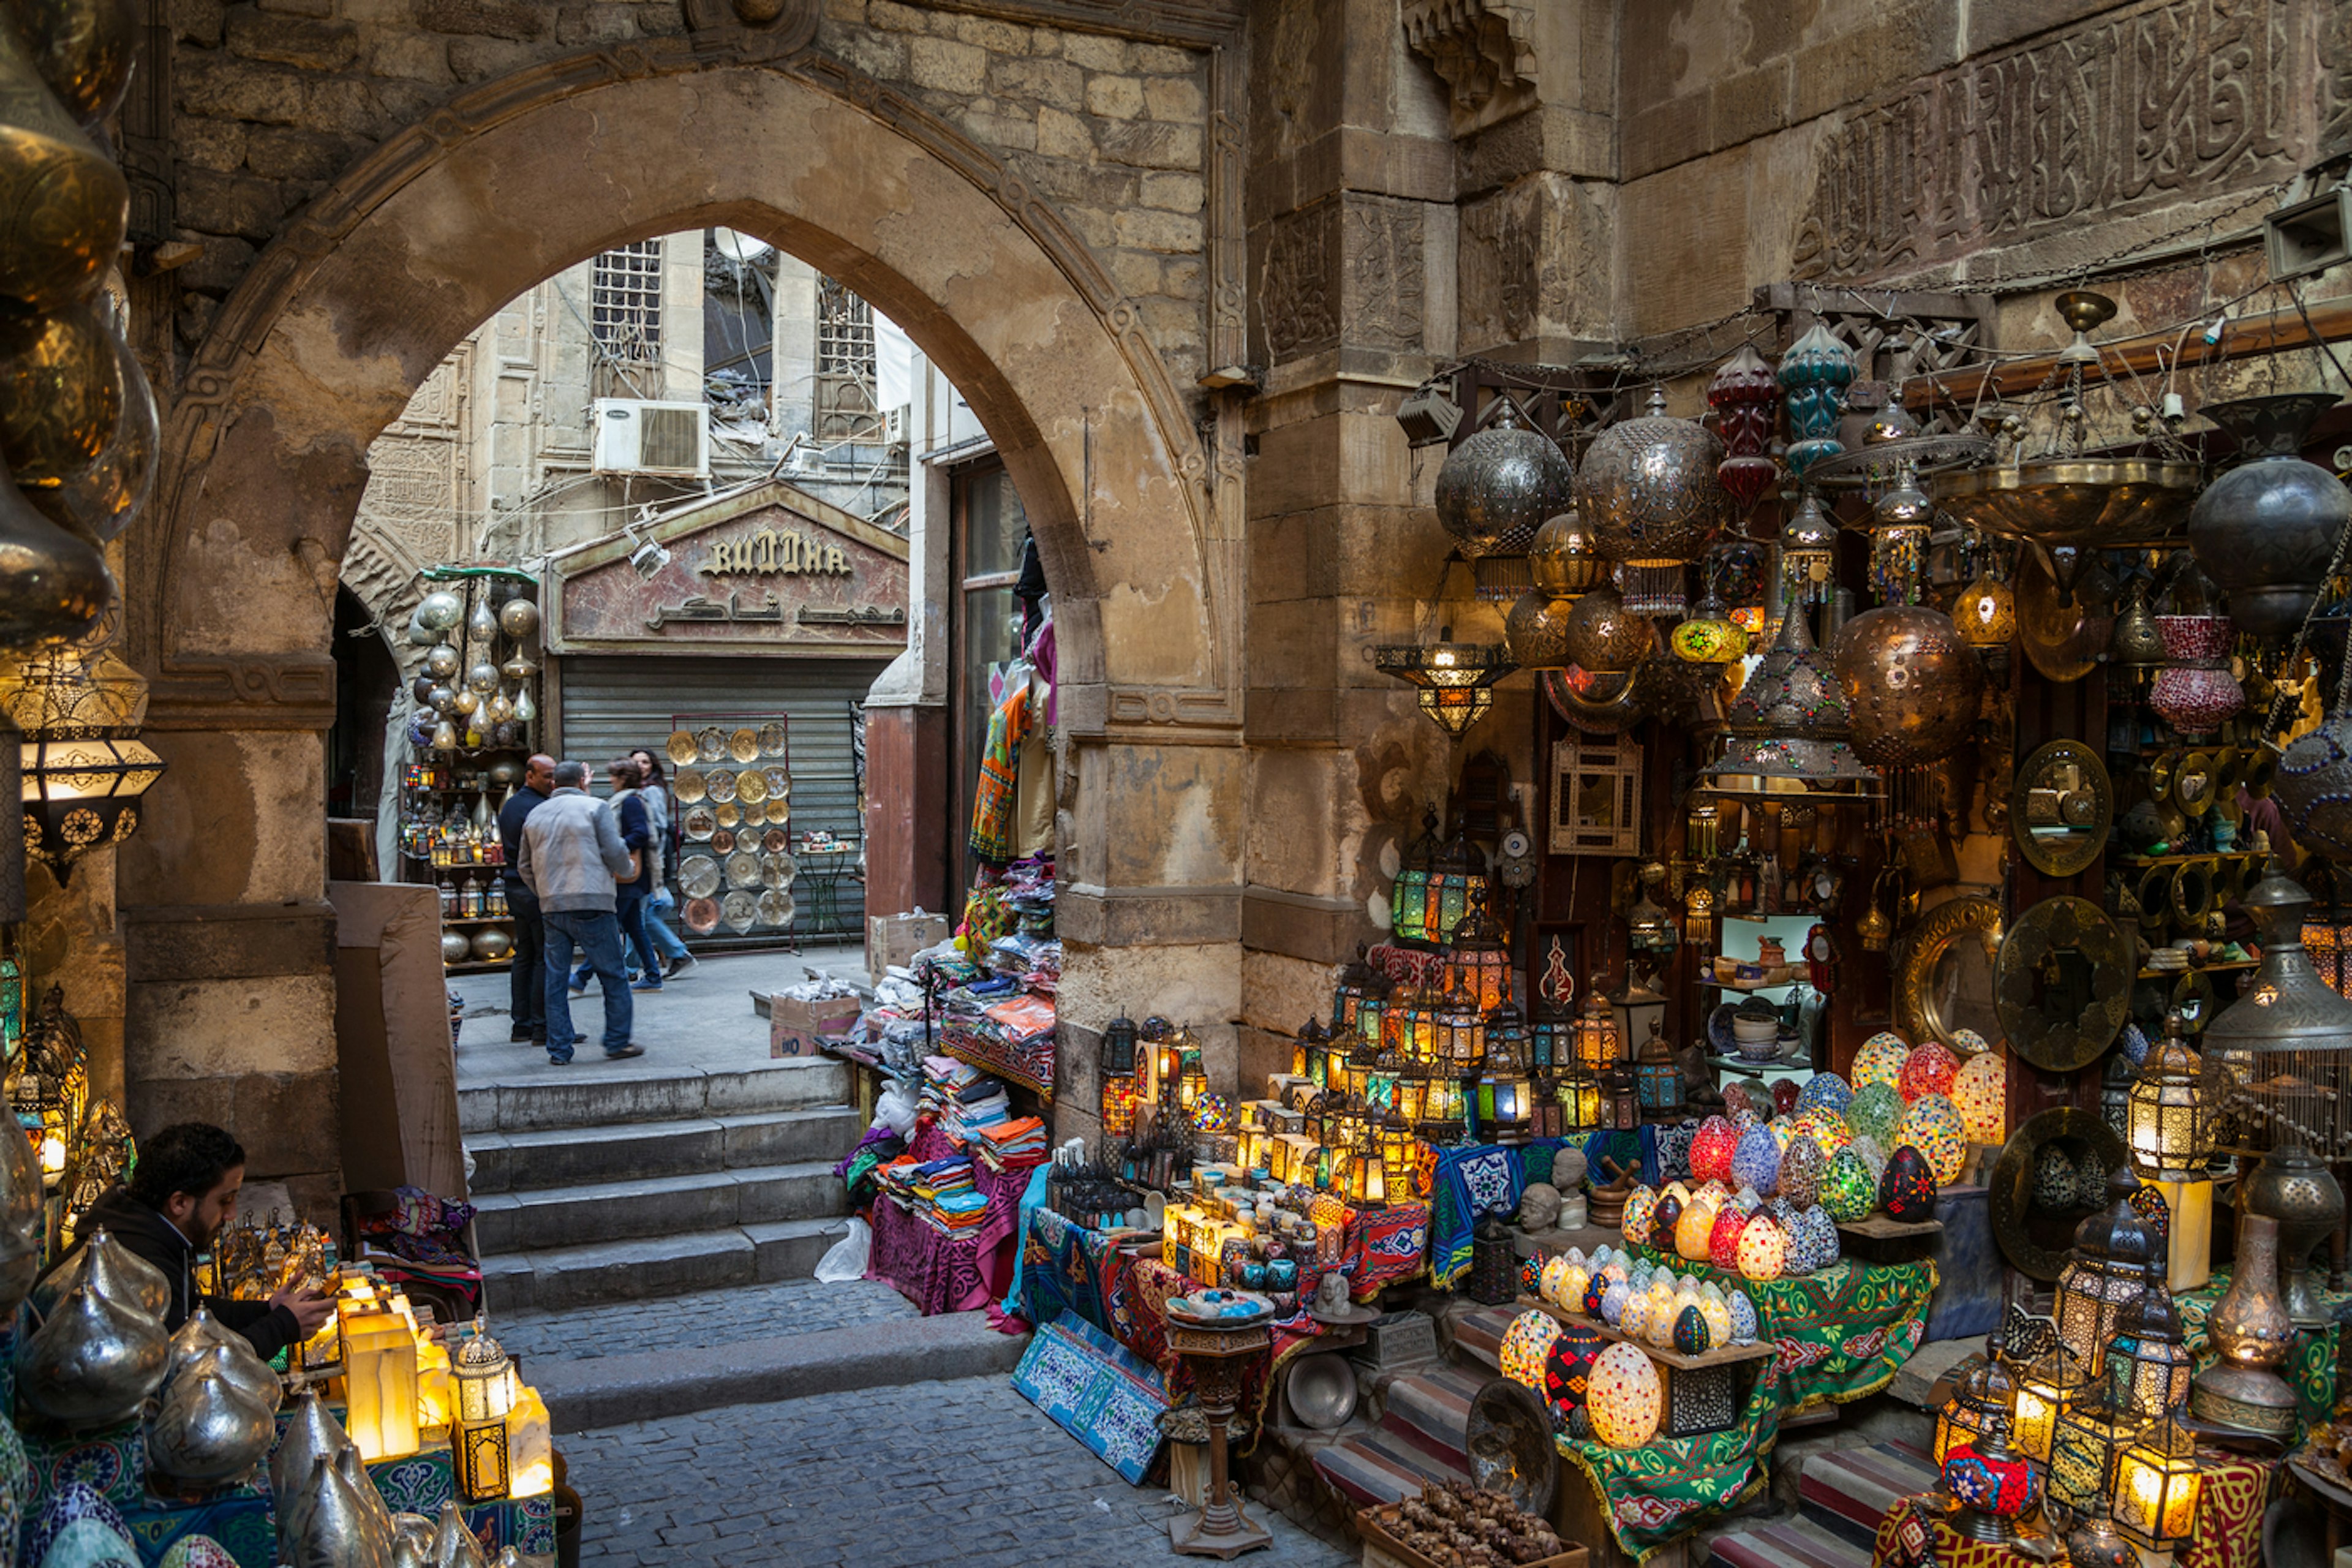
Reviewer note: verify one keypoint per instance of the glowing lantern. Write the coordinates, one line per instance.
(2040, 1393)
(484, 1380)
(1763, 1250)
(2106, 1269)
(529, 1438)
(2157, 1485)
(1600, 1045)
(2148, 1364)
(2169, 1115)
(1928, 1070)
(1880, 1060)
(1980, 1093)
(380, 1383)
(1625, 1397)
(1478, 962)
(1984, 1395)
(1527, 1347)
(1932, 1126)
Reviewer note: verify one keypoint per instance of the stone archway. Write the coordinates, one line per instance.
(340, 320)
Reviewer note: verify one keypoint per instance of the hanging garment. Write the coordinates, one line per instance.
(999, 779)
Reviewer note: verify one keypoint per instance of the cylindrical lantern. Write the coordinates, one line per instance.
(484, 1379)
(380, 1384)
(2156, 1486)
(2170, 1113)
(2040, 1390)
(1659, 1082)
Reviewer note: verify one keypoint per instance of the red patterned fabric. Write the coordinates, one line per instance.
(949, 1273)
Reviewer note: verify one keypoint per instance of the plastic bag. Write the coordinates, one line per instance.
(895, 1107)
(845, 1259)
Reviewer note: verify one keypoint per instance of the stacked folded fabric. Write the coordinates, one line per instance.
(1015, 1145)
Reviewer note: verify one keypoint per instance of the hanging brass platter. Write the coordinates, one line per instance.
(751, 787)
(2061, 806)
(700, 824)
(778, 869)
(690, 787)
(775, 841)
(741, 910)
(731, 815)
(780, 782)
(698, 876)
(2063, 640)
(702, 916)
(772, 739)
(711, 744)
(680, 747)
(743, 870)
(722, 784)
(743, 746)
(723, 841)
(776, 908)
(2034, 1242)
(2062, 983)
(1944, 974)
(779, 809)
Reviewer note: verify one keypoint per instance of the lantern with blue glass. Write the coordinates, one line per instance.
(1360, 999)
(1506, 1097)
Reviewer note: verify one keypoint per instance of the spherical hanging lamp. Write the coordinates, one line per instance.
(1649, 493)
(1912, 685)
(1986, 611)
(1564, 560)
(1496, 489)
(1535, 634)
(1605, 638)
(2266, 530)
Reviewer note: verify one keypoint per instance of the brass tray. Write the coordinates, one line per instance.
(743, 746)
(772, 739)
(739, 911)
(722, 784)
(681, 747)
(690, 787)
(743, 870)
(702, 916)
(776, 908)
(698, 876)
(751, 787)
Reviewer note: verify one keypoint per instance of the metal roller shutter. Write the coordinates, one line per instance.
(613, 704)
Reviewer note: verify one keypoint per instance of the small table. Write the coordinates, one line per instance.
(820, 874)
(1215, 1347)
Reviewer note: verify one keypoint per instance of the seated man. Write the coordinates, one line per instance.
(181, 1194)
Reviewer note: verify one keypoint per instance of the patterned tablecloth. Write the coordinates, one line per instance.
(942, 1273)
(2229, 1525)
(1840, 1334)
(2310, 1369)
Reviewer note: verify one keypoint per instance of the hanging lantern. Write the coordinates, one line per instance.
(78, 709)
(1809, 544)
(1813, 376)
(2196, 690)
(2169, 1111)
(1478, 960)
(1607, 639)
(484, 1380)
(1564, 561)
(1499, 485)
(2156, 1488)
(51, 1083)
(1900, 524)
(1659, 1081)
(2266, 528)
(1912, 686)
(2107, 1268)
(1648, 927)
(1986, 611)
(1710, 636)
(1788, 726)
(2286, 1040)
(1458, 884)
(1459, 1037)
(1456, 680)
(1745, 396)
(2148, 1365)
(1649, 493)
(1600, 1044)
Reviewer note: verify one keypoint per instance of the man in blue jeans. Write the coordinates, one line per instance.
(571, 860)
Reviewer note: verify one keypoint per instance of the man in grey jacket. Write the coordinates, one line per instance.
(571, 860)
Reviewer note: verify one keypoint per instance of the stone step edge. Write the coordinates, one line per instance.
(612, 1391)
(598, 1254)
(622, 1132)
(528, 1198)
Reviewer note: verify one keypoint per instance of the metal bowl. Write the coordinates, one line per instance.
(1322, 1391)
(2110, 503)
(1508, 1443)
(702, 916)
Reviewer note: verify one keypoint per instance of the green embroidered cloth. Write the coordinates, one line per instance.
(1841, 1335)
(2310, 1369)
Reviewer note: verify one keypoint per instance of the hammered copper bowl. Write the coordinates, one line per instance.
(1912, 684)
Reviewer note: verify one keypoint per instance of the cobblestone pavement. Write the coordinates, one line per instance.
(925, 1476)
(703, 1320)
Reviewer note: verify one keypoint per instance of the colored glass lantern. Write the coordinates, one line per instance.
(1409, 1024)
(2041, 1391)
(1478, 960)
(1551, 1039)
(1411, 1092)
(1979, 1092)
(2156, 1488)
(1457, 885)
(1506, 1095)
(1409, 895)
(1459, 1034)
(1361, 986)
(484, 1381)
(1658, 1080)
(1932, 1125)
(1985, 1394)
(2107, 1268)
(1600, 1045)
(380, 1384)
(1625, 1397)
(1454, 681)
(1444, 1110)
(2084, 1443)
(1118, 1052)
(1399, 1152)
(2170, 1115)
(2148, 1365)
(1624, 1100)
(1986, 611)
(1813, 375)
(1579, 1093)
(1368, 1179)
(1307, 1048)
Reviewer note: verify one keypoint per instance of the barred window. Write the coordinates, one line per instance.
(625, 302)
(845, 333)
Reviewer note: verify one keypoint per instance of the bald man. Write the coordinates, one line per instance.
(529, 1005)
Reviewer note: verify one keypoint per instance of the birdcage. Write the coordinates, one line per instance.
(2285, 1043)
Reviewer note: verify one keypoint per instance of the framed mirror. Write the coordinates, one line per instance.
(2060, 807)
(2194, 893)
(2062, 983)
(2195, 782)
(1944, 975)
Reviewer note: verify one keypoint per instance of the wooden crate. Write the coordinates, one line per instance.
(1382, 1550)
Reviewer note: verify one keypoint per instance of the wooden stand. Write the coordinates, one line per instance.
(1702, 1392)
(1215, 1353)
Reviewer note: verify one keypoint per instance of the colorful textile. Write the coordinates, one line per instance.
(1096, 1390)
(2309, 1368)
(941, 1272)
(1067, 1267)
(1840, 1334)
(2229, 1532)
(999, 779)
(1384, 1246)
(1471, 1180)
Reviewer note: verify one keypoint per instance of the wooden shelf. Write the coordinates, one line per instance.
(1879, 1228)
(1722, 1355)
(1759, 985)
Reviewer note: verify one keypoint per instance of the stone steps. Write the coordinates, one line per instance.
(632, 1151)
(1841, 1497)
(555, 1278)
(657, 1206)
(594, 1093)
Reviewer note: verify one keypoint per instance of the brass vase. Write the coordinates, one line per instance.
(65, 203)
(208, 1429)
(83, 50)
(116, 1272)
(54, 587)
(2301, 1195)
(2251, 1328)
(93, 1362)
(312, 1433)
(237, 1366)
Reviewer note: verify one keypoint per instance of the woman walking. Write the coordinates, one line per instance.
(663, 805)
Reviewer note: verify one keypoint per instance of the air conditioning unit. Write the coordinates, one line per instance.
(636, 436)
(896, 424)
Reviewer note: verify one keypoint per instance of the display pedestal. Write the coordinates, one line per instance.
(1215, 1353)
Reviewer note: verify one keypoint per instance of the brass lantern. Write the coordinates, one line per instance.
(1409, 1026)
(1579, 1093)
(2170, 1109)
(1624, 1100)
(1412, 1092)
(1400, 1155)
(1478, 962)
(51, 1083)
(1456, 679)
(1367, 1177)
(484, 1381)
(2148, 1365)
(1460, 1035)
(1307, 1048)
(1441, 1121)
(2156, 1486)
(2084, 1443)
(1457, 885)
(2108, 1267)
(1985, 1394)
(1119, 1044)
(1506, 1097)
(1599, 1043)
(1551, 1039)
(1409, 894)
(1659, 1082)
(1360, 1001)
(85, 767)
(2040, 1393)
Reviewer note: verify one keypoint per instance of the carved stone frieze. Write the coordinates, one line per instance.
(1381, 248)
(1485, 50)
(1348, 268)
(1298, 284)
(2134, 109)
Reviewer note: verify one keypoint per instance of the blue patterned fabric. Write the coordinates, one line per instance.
(1097, 1391)
(1474, 1179)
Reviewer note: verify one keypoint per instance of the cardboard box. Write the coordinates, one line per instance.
(895, 938)
(797, 1028)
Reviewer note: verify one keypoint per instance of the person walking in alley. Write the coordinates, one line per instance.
(635, 822)
(661, 801)
(572, 861)
(527, 1006)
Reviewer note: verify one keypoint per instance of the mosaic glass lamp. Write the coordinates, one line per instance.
(1455, 681)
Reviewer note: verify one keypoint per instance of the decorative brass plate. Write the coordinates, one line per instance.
(731, 815)
(723, 841)
(2194, 895)
(711, 744)
(779, 809)
(778, 868)
(772, 739)
(1944, 974)
(741, 910)
(702, 916)
(751, 787)
(2195, 782)
(698, 875)
(2060, 808)
(780, 782)
(743, 745)
(690, 786)
(2258, 771)
(743, 869)
(2062, 983)
(722, 784)
(776, 908)
(680, 747)
(700, 824)
(2039, 1247)
(775, 841)
(2155, 893)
